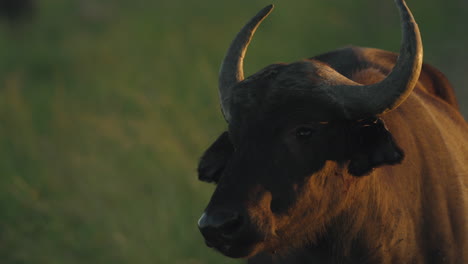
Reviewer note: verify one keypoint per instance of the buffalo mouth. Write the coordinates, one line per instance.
(235, 250)
(242, 246)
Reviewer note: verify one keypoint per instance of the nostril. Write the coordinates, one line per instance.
(231, 225)
(224, 219)
(225, 223)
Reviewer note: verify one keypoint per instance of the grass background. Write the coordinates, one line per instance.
(105, 107)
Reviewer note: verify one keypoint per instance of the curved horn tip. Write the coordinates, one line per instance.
(403, 7)
(269, 7)
(400, 3)
(265, 11)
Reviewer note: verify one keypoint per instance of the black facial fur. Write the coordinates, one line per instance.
(215, 158)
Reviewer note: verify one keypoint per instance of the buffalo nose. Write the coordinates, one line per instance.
(224, 223)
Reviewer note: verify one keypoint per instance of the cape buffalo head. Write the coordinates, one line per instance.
(298, 136)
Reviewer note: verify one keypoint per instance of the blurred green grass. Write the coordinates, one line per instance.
(105, 107)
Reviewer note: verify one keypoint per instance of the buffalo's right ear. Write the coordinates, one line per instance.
(215, 158)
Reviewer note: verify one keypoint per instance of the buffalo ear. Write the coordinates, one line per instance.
(373, 146)
(215, 158)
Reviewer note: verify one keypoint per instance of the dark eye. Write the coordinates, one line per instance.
(304, 132)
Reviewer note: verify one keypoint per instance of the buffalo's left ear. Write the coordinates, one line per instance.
(373, 146)
(215, 158)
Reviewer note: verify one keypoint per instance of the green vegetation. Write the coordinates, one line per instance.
(105, 107)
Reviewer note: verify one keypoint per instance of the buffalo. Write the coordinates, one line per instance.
(358, 155)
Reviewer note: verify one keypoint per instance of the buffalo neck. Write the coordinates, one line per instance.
(374, 226)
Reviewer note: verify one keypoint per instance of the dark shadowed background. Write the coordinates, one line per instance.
(106, 106)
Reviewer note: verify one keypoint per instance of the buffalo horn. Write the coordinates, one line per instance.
(359, 102)
(232, 69)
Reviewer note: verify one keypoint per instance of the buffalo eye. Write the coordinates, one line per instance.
(304, 132)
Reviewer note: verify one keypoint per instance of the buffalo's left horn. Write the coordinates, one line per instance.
(232, 68)
(358, 102)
